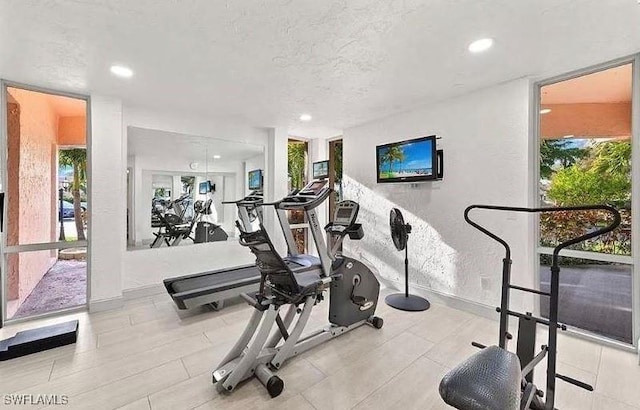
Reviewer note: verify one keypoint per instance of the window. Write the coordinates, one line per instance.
(297, 157)
(585, 151)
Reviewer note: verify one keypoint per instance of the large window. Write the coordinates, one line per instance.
(297, 156)
(585, 144)
(44, 172)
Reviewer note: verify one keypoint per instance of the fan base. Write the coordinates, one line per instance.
(411, 303)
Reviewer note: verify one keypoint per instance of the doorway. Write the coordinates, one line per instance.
(335, 175)
(297, 164)
(46, 208)
(585, 140)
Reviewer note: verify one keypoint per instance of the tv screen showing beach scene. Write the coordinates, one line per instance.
(407, 161)
(255, 179)
(320, 169)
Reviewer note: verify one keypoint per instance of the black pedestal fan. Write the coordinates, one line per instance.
(400, 234)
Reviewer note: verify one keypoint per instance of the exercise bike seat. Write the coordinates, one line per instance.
(488, 380)
(303, 260)
(307, 278)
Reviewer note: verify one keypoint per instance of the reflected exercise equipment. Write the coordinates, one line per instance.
(173, 226)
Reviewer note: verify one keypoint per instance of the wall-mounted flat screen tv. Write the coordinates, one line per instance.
(255, 179)
(407, 161)
(321, 169)
(206, 187)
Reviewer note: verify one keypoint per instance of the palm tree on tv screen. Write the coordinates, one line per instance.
(396, 154)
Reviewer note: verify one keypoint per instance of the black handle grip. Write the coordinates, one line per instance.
(613, 225)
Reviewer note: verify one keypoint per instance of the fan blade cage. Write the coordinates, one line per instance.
(398, 229)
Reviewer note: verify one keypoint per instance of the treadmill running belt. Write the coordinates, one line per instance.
(216, 279)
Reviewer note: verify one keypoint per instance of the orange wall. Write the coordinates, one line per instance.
(591, 119)
(72, 131)
(36, 211)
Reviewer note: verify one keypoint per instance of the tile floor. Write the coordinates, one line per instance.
(147, 355)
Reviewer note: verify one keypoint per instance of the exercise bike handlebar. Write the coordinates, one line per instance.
(613, 225)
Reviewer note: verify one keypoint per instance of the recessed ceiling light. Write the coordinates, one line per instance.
(217, 157)
(545, 111)
(121, 71)
(480, 45)
(305, 117)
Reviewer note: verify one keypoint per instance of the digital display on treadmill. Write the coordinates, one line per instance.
(343, 213)
(316, 187)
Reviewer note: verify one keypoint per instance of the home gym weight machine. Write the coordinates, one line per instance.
(494, 378)
(353, 295)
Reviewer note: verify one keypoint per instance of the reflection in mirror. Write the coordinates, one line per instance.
(177, 184)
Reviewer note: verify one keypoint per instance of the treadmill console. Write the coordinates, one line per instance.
(346, 213)
(255, 195)
(344, 221)
(314, 187)
(312, 195)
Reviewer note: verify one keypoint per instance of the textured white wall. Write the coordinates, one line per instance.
(485, 142)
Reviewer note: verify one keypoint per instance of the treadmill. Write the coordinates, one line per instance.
(212, 288)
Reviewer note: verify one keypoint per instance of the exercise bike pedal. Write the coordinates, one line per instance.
(362, 302)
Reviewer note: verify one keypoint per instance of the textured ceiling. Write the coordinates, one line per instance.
(266, 61)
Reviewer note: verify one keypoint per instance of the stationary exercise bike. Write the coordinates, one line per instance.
(353, 295)
(497, 379)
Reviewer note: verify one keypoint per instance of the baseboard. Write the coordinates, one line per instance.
(106, 304)
(143, 291)
(455, 302)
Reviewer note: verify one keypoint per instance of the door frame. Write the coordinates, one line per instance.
(4, 249)
(332, 176)
(534, 172)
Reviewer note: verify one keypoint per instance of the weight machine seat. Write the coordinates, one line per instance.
(488, 380)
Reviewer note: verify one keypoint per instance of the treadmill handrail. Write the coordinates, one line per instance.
(245, 200)
(313, 200)
(613, 225)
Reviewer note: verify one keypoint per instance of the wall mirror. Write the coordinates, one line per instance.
(176, 186)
